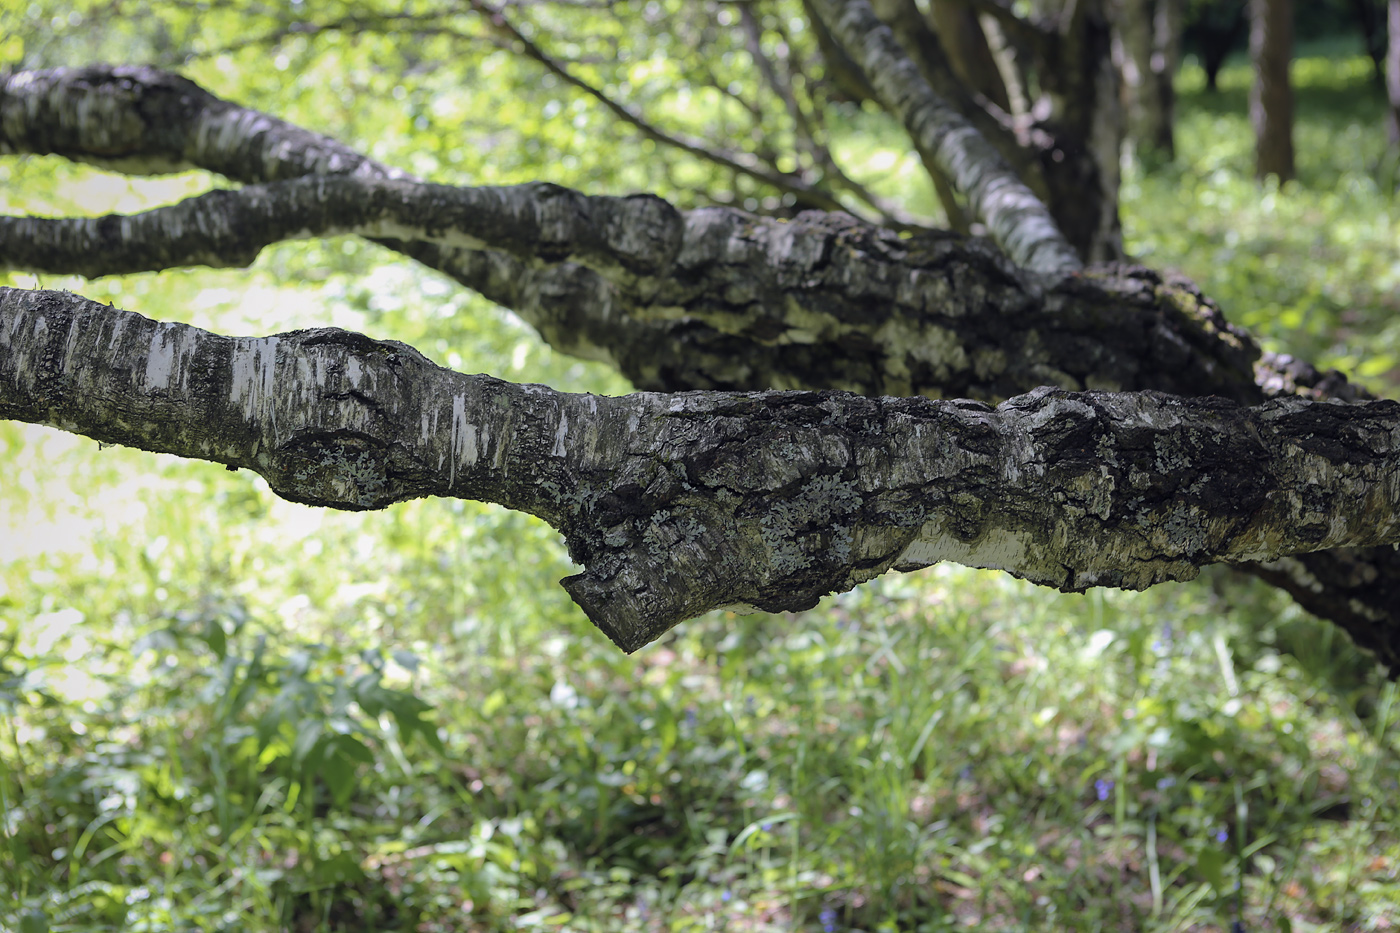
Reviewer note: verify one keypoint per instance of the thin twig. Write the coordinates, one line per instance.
(741, 162)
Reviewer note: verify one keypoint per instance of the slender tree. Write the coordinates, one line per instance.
(1271, 95)
(1392, 70)
(1148, 50)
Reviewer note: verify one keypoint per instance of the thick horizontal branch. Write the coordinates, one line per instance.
(821, 301)
(727, 300)
(678, 504)
(539, 223)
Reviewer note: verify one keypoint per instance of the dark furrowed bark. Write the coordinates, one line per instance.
(677, 504)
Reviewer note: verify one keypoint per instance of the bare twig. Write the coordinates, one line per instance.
(741, 162)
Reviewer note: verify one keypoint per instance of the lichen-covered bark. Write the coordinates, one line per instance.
(681, 503)
(626, 238)
(745, 302)
(822, 301)
(708, 299)
(144, 121)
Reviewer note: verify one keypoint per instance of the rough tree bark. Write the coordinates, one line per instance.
(677, 504)
(714, 298)
(1013, 215)
(1271, 94)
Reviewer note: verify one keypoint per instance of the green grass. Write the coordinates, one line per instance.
(222, 711)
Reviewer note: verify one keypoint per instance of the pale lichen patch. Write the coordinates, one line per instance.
(254, 370)
(464, 450)
(560, 433)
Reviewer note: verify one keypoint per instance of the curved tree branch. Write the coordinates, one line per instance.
(822, 301)
(540, 223)
(678, 504)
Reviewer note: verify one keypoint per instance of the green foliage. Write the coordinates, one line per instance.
(224, 711)
(1311, 268)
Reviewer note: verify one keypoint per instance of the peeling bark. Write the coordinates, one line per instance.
(677, 504)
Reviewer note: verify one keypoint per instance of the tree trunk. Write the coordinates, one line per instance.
(1086, 123)
(1145, 48)
(1166, 58)
(1217, 30)
(1370, 14)
(1271, 97)
(1392, 72)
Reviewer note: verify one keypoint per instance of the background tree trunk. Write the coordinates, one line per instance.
(1215, 31)
(1271, 96)
(1370, 19)
(1086, 120)
(1147, 47)
(1392, 72)
(1166, 58)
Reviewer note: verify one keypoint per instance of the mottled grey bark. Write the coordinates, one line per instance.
(679, 504)
(711, 298)
(744, 303)
(841, 304)
(1271, 94)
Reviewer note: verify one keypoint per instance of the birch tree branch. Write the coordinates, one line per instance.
(681, 503)
(748, 303)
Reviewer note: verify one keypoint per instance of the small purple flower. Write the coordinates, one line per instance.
(1222, 835)
(828, 919)
(1102, 787)
(725, 897)
(1164, 783)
